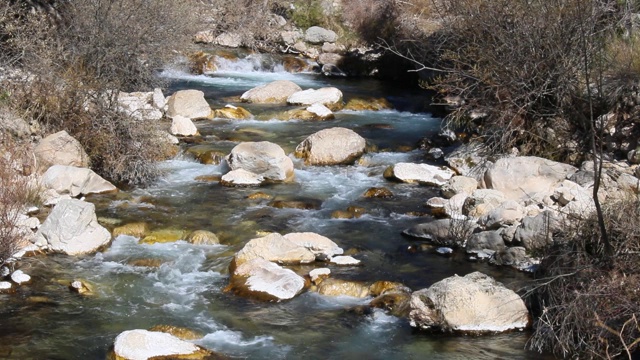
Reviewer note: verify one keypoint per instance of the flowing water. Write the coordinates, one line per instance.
(46, 321)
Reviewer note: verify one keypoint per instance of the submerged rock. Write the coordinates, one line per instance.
(473, 303)
(380, 193)
(232, 112)
(333, 146)
(371, 104)
(203, 237)
(336, 287)
(137, 229)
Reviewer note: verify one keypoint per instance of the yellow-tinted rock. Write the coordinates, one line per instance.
(163, 236)
(202, 63)
(342, 214)
(295, 204)
(381, 287)
(396, 303)
(380, 193)
(206, 155)
(259, 196)
(370, 104)
(232, 112)
(203, 237)
(137, 229)
(294, 64)
(81, 287)
(208, 178)
(303, 114)
(179, 332)
(335, 287)
(153, 263)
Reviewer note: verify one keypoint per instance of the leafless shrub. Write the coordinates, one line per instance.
(16, 193)
(588, 301)
(77, 61)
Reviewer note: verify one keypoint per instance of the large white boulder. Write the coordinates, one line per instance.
(75, 181)
(142, 345)
(319, 35)
(459, 184)
(262, 158)
(473, 303)
(275, 92)
(183, 126)
(140, 105)
(322, 247)
(329, 96)
(72, 228)
(419, 173)
(526, 177)
(190, 104)
(333, 146)
(264, 280)
(276, 248)
(60, 149)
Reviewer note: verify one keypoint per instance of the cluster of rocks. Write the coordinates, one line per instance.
(507, 209)
(267, 269)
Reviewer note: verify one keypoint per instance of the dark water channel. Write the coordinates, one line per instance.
(46, 321)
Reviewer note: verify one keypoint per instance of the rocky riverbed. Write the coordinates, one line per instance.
(290, 223)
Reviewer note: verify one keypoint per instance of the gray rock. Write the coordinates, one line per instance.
(443, 232)
(459, 184)
(140, 105)
(13, 124)
(183, 126)
(72, 229)
(482, 201)
(319, 35)
(473, 303)
(526, 176)
(486, 240)
(537, 232)
(505, 214)
(232, 40)
(241, 178)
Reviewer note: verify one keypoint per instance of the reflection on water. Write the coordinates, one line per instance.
(184, 286)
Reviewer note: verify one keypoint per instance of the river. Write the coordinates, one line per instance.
(46, 321)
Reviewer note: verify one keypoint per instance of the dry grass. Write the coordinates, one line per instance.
(588, 302)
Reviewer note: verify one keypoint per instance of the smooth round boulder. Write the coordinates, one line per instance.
(262, 158)
(60, 149)
(336, 287)
(188, 103)
(203, 237)
(275, 92)
(319, 35)
(241, 178)
(276, 248)
(473, 303)
(333, 146)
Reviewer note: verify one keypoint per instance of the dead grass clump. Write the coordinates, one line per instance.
(587, 301)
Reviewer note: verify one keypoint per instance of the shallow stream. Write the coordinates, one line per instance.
(46, 321)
